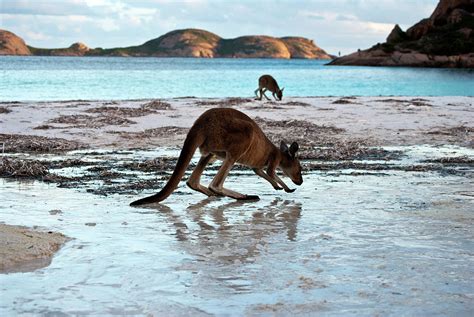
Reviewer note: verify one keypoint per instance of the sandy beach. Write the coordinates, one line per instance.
(111, 152)
(346, 130)
(151, 123)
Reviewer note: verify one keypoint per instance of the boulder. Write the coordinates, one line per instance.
(397, 35)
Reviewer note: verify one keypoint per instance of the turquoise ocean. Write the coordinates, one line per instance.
(36, 78)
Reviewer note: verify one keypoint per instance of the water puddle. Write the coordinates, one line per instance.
(391, 242)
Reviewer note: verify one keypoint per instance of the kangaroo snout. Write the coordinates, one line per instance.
(298, 182)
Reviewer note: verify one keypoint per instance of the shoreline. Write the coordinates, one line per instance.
(285, 98)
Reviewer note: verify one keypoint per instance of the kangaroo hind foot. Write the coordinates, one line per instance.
(216, 185)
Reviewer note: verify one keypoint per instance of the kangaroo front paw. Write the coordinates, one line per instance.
(290, 190)
(277, 188)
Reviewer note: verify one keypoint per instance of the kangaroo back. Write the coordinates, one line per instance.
(192, 142)
(267, 81)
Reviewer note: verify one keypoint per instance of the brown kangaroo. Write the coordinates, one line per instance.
(231, 136)
(267, 82)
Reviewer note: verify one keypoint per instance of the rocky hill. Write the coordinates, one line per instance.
(301, 47)
(445, 39)
(253, 46)
(10, 44)
(179, 43)
(198, 43)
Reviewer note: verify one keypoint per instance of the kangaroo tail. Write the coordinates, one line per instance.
(191, 143)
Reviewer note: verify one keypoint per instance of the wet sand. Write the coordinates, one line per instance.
(384, 216)
(23, 249)
(342, 244)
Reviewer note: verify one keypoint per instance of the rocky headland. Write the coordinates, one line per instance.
(182, 43)
(445, 39)
(11, 44)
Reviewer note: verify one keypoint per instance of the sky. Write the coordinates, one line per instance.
(335, 25)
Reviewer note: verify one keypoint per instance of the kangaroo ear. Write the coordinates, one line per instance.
(282, 89)
(294, 148)
(283, 147)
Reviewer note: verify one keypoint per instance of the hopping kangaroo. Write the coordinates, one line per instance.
(267, 82)
(231, 136)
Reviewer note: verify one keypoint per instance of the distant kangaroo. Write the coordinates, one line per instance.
(267, 82)
(231, 136)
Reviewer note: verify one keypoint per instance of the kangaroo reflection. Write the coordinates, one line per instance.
(236, 231)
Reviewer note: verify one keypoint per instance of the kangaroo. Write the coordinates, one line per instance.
(231, 136)
(267, 82)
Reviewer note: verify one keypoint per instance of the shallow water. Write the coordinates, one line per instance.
(396, 243)
(65, 78)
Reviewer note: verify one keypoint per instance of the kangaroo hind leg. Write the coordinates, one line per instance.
(256, 94)
(218, 182)
(194, 181)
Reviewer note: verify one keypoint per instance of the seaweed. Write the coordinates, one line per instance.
(16, 143)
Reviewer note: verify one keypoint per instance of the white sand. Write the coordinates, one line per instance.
(380, 120)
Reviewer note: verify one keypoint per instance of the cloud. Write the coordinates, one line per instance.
(48, 7)
(37, 36)
(341, 17)
(314, 16)
(378, 28)
(108, 24)
(79, 18)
